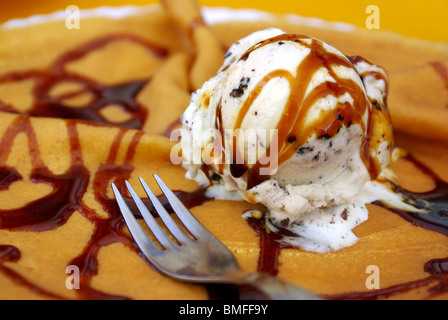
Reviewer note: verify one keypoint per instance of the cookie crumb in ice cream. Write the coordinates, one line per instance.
(305, 130)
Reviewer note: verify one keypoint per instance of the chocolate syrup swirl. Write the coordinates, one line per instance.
(122, 95)
(436, 219)
(54, 210)
(10, 253)
(8, 176)
(434, 201)
(68, 189)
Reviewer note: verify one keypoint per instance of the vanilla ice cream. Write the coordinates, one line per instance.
(292, 123)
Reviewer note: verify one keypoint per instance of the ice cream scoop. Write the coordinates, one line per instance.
(292, 123)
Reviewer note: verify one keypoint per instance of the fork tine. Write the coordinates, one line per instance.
(140, 237)
(187, 218)
(164, 215)
(161, 236)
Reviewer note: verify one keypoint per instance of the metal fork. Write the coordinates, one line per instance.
(196, 257)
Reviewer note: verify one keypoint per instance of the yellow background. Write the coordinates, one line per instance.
(417, 18)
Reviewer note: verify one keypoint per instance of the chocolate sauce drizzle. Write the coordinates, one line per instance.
(10, 253)
(122, 95)
(436, 219)
(68, 189)
(53, 210)
(434, 201)
(292, 125)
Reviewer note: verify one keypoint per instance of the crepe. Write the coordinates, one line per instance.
(80, 109)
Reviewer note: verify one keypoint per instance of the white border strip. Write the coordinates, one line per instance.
(211, 15)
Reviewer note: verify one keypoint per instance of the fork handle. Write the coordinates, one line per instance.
(277, 289)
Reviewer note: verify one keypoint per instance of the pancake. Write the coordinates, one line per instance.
(82, 108)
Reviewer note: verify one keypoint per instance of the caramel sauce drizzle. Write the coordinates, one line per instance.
(53, 210)
(293, 132)
(378, 129)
